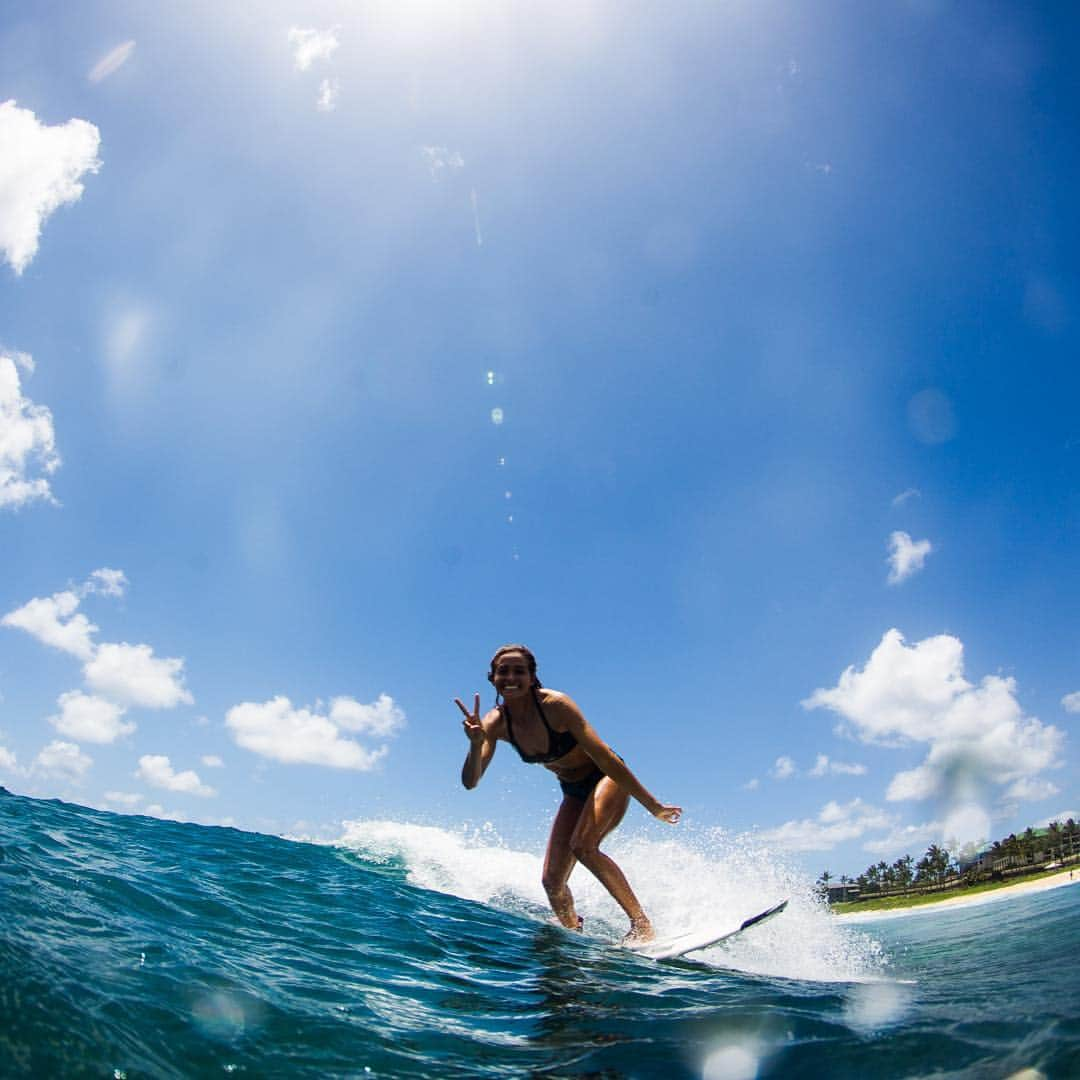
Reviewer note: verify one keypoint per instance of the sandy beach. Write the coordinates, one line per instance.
(1006, 892)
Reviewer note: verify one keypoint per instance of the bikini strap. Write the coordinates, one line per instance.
(540, 709)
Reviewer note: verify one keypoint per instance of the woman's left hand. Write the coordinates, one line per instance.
(670, 814)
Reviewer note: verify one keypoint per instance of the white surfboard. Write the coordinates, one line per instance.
(681, 944)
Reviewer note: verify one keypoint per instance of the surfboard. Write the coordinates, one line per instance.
(692, 941)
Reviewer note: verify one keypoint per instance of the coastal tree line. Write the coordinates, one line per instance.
(938, 869)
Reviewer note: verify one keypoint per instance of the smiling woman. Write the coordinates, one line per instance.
(546, 728)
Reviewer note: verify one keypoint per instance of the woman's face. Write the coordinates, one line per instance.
(511, 676)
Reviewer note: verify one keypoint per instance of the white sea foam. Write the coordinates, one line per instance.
(471, 864)
(685, 885)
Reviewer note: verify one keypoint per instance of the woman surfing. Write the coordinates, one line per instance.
(547, 728)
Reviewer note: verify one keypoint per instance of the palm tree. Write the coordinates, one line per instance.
(823, 883)
(903, 873)
(933, 867)
(1053, 840)
(1028, 843)
(883, 874)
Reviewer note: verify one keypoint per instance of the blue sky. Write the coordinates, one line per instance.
(724, 354)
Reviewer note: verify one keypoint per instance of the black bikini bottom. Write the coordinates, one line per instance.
(582, 789)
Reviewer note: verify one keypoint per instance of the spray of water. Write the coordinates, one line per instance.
(701, 880)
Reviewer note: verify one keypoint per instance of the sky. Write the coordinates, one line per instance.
(723, 353)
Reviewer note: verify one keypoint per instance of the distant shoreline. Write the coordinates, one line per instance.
(990, 896)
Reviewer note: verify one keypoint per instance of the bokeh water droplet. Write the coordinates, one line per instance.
(224, 1016)
(496, 416)
(873, 1006)
(735, 1061)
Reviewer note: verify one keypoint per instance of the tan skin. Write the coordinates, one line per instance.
(579, 826)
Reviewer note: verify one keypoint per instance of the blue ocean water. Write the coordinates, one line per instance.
(135, 947)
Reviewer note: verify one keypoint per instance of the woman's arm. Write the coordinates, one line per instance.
(482, 741)
(609, 762)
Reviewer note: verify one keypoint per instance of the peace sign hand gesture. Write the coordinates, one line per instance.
(474, 729)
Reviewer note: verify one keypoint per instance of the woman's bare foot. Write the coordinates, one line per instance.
(640, 932)
(579, 926)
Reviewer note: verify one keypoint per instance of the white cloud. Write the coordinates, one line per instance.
(157, 771)
(311, 45)
(978, 736)
(836, 824)
(922, 782)
(27, 438)
(904, 839)
(381, 718)
(783, 769)
(909, 493)
(1030, 789)
(825, 766)
(133, 675)
(111, 61)
(7, 760)
(90, 719)
(901, 692)
(1061, 817)
(158, 811)
(1071, 702)
(105, 582)
(122, 798)
(906, 556)
(212, 761)
(329, 92)
(55, 621)
(966, 823)
(752, 784)
(62, 759)
(276, 730)
(40, 167)
(119, 674)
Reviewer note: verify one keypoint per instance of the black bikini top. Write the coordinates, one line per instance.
(560, 743)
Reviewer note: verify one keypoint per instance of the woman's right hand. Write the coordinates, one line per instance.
(474, 729)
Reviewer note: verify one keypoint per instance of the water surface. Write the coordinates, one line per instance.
(137, 947)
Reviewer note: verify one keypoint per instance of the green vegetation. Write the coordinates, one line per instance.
(886, 903)
(938, 875)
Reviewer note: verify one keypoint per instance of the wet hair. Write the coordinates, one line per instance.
(530, 660)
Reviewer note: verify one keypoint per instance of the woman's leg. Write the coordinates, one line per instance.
(559, 862)
(601, 813)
